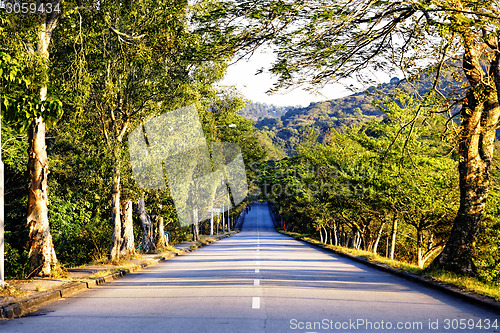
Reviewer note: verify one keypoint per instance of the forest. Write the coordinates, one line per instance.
(317, 44)
(258, 111)
(358, 189)
(74, 85)
(407, 169)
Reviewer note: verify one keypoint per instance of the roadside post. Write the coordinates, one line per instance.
(212, 211)
(223, 231)
(211, 222)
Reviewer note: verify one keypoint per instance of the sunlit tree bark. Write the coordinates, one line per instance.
(41, 256)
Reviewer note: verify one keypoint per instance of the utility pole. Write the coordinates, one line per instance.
(211, 222)
(223, 219)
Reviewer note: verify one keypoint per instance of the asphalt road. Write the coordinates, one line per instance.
(258, 281)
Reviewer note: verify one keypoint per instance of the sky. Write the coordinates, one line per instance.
(242, 75)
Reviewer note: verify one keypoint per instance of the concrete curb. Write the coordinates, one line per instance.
(485, 302)
(30, 304)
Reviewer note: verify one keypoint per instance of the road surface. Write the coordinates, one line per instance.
(258, 281)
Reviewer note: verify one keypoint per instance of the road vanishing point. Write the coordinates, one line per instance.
(258, 281)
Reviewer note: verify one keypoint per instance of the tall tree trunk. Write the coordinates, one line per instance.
(335, 234)
(223, 221)
(420, 261)
(393, 238)
(41, 256)
(147, 227)
(196, 229)
(379, 234)
(342, 235)
(128, 245)
(480, 113)
(116, 239)
(162, 239)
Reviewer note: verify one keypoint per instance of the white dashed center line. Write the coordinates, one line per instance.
(255, 302)
(256, 282)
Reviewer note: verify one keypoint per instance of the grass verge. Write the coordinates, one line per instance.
(10, 291)
(106, 272)
(466, 283)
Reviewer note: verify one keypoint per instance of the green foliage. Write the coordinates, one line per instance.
(15, 261)
(110, 69)
(14, 148)
(317, 43)
(347, 111)
(258, 111)
(359, 179)
(488, 243)
(18, 106)
(78, 236)
(11, 70)
(488, 249)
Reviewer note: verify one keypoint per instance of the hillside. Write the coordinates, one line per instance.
(285, 130)
(258, 111)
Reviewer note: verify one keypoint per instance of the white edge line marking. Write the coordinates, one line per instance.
(255, 302)
(256, 282)
(257, 270)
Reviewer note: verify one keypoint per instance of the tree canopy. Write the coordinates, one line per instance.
(109, 66)
(321, 41)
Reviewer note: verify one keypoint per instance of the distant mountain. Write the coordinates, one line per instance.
(258, 111)
(285, 130)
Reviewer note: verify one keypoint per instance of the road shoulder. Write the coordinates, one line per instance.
(44, 290)
(485, 302)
